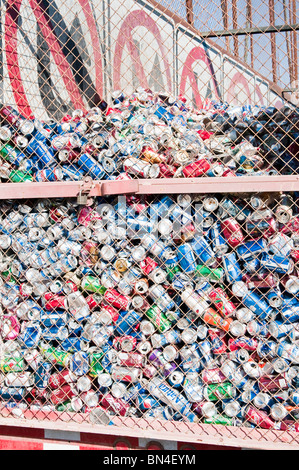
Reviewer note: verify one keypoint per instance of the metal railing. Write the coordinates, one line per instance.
(149, 245)
(179, 310)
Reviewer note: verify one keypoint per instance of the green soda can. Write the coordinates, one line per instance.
(9, 153)
(12, 364)
(8, 276)
(92, 284)
(221, 391)
(171, 272)
(159, 320)
(56, 356)
(220, 419)
(95, 358)
(216, 274)
(18, 176)
(65, 406)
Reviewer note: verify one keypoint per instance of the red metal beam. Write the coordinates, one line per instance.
(244, 184)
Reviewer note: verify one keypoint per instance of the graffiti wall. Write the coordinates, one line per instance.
(59, 55)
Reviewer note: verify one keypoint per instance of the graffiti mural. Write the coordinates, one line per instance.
(59, 55)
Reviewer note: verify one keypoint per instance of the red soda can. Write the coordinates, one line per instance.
(131, 359)
(64, 393)
(228, 173)
(295, 255)
(118, 405)
(166, 170)
(221, 301)
(108, 314)
(292, 226)
(147, 265)
(288, 425)
(272, 383)
(54, 301)
(116, 299)
(196, 169)
(25, 290)
(56, 214)
(213, 376)
(38, 394)
(124, 343)
(204, 135)
(258, 417)
(93, 300)
(61, 378)
(70, 286)
(232, 232)
(218, 344)
(263, 280)
(149, 371)
(88, 215)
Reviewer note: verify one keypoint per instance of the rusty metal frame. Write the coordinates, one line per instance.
(68, 189)
(262, 439)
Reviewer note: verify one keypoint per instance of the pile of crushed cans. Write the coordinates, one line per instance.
(149, 135)
(176, 308)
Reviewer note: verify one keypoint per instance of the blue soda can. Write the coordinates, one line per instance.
(79, 363)
(248, 395)
(253, 301)
(176, 379)
(45, 154)
(133, 392)
(146, 402)
(71, 173)
(171, 397)
(228, 208)
(48, 174)
(57, 318)
(72, 343)
(252, 265)
(186, 258)
(205, 351)
(110, 356)
(161, 207)
(127, 322)
(55, 333)
(231, 267)
(280, 329)
(219, 244)
(294, 397)
(203, 250)
(290, 314)
(267, 349)
(278, 264)
(263, 401)
(13, 393)
(274, 299)
(42, 375)
(91, 166)
(251, 248)
(30, 336)
(255, 328)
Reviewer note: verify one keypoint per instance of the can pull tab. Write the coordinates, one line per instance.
(84, 198)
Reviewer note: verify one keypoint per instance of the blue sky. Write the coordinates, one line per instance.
(208, 16)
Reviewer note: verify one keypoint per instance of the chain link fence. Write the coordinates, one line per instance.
(130, 89)
(175, 310)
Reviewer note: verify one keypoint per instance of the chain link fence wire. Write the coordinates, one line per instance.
(134, 89)
(177, 310)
